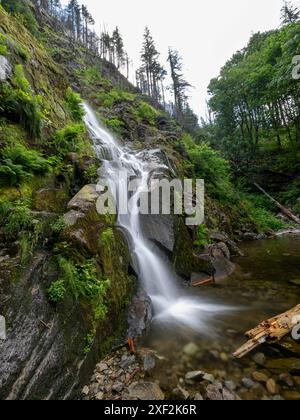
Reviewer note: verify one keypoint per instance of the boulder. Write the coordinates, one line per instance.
(145, 391)
(139, 314)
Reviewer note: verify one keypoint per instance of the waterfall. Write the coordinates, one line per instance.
(158, 279)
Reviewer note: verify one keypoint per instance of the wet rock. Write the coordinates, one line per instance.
(99, 396)
(272, 387)
(127, 361)
(84, 199)
(259, 377)
(146, 391)
(286, 379)
(291, 365)
(50, 200)
(85, 391)
(139, 314)
(198, 397)
(191, 349)
(160, 230)
(230, 385)
(248, 383)
(259, 359)
(181, 393)
(209, 378)
(101, 367)
(214, 393)
(220, 258)
(192, 376)
(227, 395)
(149, 362)
(291, 395)
(5, 69)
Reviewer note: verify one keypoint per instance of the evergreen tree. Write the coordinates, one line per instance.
(289, 13)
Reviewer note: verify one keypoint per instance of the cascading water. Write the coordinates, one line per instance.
(158, 280)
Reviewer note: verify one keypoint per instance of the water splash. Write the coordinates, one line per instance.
(158, 279)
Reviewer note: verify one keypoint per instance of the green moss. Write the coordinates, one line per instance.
(73, 103)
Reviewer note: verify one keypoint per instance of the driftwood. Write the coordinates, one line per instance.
(270, 331)
(283, 209)
(205, 282)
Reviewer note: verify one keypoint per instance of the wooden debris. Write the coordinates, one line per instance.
(283, 209)
(205, 282)
(270, 331)
(131, 345)
(45, 325)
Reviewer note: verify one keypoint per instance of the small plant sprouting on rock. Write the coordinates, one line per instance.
(73, 103)
(57, 291)
(202, 237)
(58, 226)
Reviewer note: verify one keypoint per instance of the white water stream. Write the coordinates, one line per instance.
(171, 302)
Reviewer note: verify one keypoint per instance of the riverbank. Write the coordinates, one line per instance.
(192, 365)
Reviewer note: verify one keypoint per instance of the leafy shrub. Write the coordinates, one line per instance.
(59, 225)
(3, 46)
(22, 11)
(202, 237)
(115, 96)
(18, 164)
(69, 139)
(56, 293)
(83, 281)
(146, 113)
(73, 103)
(210, 166)
(115, 125)
(91, 174)
(21, 104)
(15, 217)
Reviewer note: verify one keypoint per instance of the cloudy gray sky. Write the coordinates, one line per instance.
(206, 32)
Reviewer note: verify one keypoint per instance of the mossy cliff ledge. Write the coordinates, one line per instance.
(74, 300)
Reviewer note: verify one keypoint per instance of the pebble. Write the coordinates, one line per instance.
(224, 357)
(209, 378)
(197, 374)
(99, 396)
(259, 359)
(191, 349)
(214, 393)
(248, 383)
(230, 385)
(260, 377)
(198, 397)
(272, 387)
(286, 379)
(86, 390)
(101, 367)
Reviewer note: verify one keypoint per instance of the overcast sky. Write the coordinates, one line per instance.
(206, 32)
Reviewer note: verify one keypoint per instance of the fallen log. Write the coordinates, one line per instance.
(283, 209)
(270, 331)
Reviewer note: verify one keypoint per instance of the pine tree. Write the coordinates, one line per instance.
(289, 13)
(180, 85)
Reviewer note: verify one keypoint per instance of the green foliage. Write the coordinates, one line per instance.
(19, 103)
(146, 113)
(115, 96)
(115, 125)
(15, 217)
(89, 341)
(3, 45)
(69, 139)
(56, 292)
(18, 164)
(91, 174)
(260, 214)
(208, 164)
(73, 103)
(92, 75)
(58, 226)
(26, 246)
(22, 11)
(202, 238)
(84, 282)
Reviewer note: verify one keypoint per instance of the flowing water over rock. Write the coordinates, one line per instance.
(158, 279)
